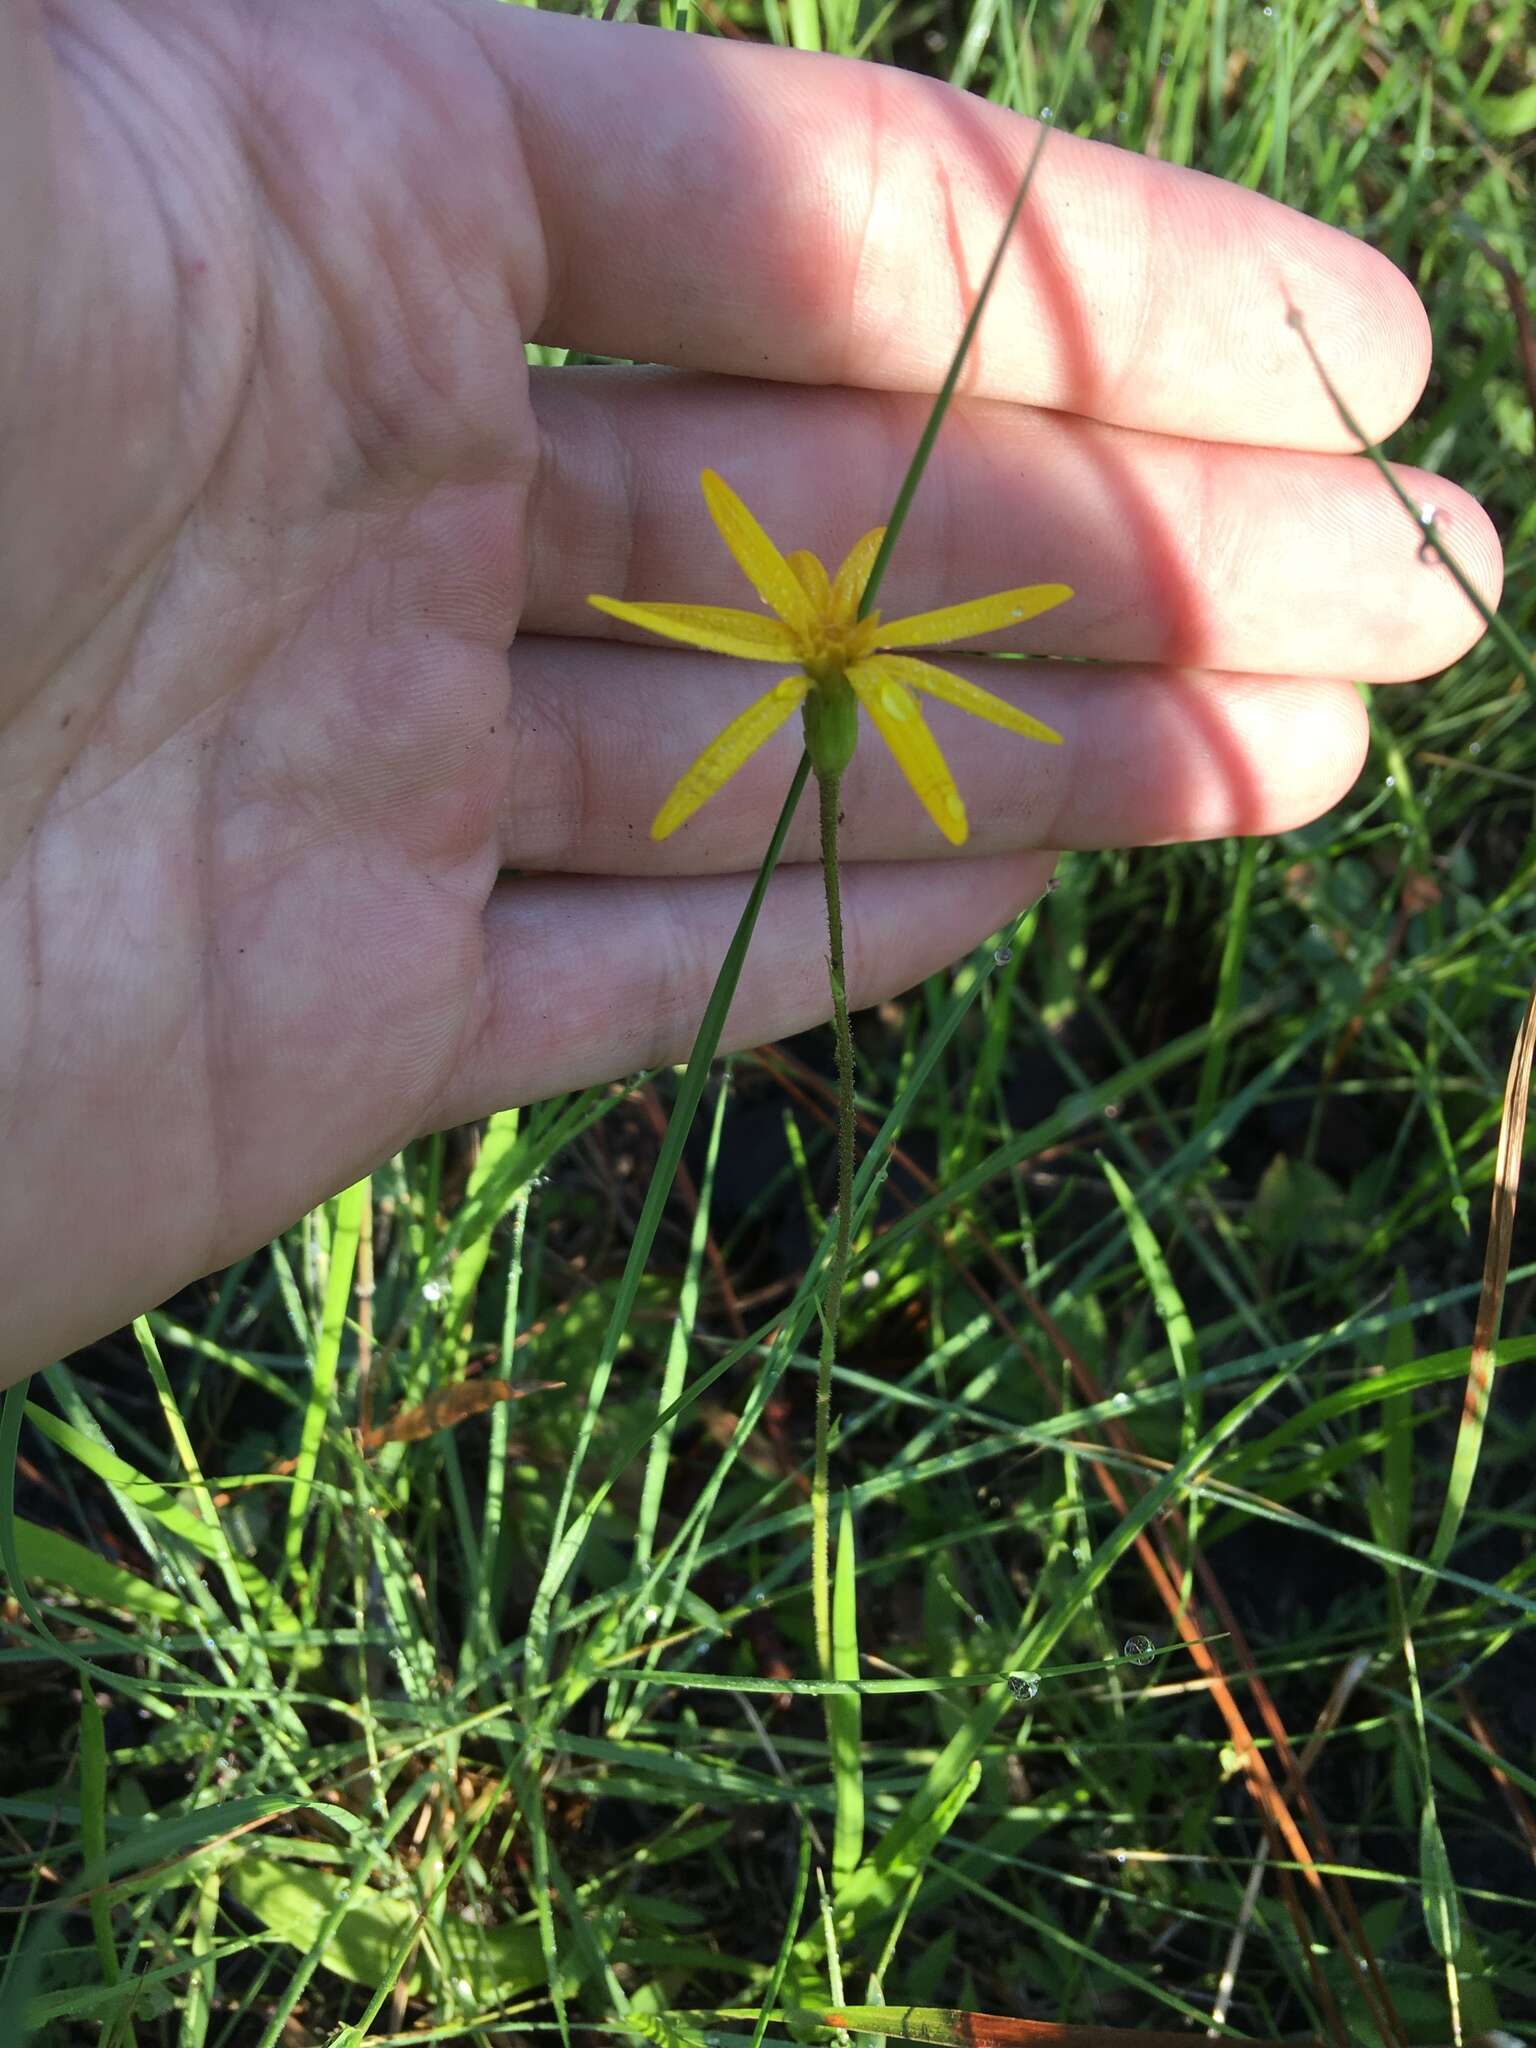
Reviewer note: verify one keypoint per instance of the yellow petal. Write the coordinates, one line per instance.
(938, 682)
(900, 724)
(715, 626)
(725, 754)
(813, 579)
(760, 561)
(968, 621)
(854, 574)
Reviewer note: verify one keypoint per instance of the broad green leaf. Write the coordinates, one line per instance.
(1442, 1903)
(60, 1561)
(293, 1901)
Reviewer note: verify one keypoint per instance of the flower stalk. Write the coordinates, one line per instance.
(829, 787)
(845, 660)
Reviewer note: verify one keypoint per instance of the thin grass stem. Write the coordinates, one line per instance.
(837, 1268)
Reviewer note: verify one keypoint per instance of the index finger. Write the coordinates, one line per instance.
(769, 213)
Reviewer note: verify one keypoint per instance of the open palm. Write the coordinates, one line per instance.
(294, 865)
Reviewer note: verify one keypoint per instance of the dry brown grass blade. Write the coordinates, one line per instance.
(954, 2027)
(1519, 1806)
(446, 1407)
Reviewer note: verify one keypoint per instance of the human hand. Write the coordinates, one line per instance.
(279, 492)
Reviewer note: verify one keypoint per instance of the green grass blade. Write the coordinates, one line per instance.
(350, 1209)
(1229, 982)
(93, 1829)
(844, 1714)
(674, 1372)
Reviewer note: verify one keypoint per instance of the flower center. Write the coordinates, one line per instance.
(832, 646)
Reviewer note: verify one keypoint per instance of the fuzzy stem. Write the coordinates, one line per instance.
(837, 1270)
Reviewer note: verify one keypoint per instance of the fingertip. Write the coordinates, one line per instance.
(1439, 623)
(1372, 342)
(1309, 739)
(1396, 346)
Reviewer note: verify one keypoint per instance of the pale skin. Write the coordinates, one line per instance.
(278, 496)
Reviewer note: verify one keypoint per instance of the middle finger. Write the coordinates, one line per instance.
(1181, 552)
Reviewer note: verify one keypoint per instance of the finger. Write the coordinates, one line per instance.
(820, 221)
(1148, 756)
(587, 979)
(1176, 550)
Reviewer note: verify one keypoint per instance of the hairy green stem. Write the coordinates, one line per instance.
(837, 1271)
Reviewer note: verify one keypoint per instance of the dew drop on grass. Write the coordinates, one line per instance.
(1430, 518)
(1139, 1650)
(1003, 955)
(1023, 1684)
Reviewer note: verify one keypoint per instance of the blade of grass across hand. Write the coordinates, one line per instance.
(941, 404)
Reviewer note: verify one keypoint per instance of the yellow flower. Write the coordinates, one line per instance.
(844, 662)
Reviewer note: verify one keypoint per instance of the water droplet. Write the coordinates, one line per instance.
(1003, 955)
(1390, 782)
(1111, 1110)
(1432, 520)
(1474, 746)
(869, 1279)
(1122, 1399)
(432, 1291)
(1053, 885)
(1046, 114)
(653, 1614)
(980, 1620)
(994, 1504)
(1139, 1650)
(1023, 1684)
(895, 701)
